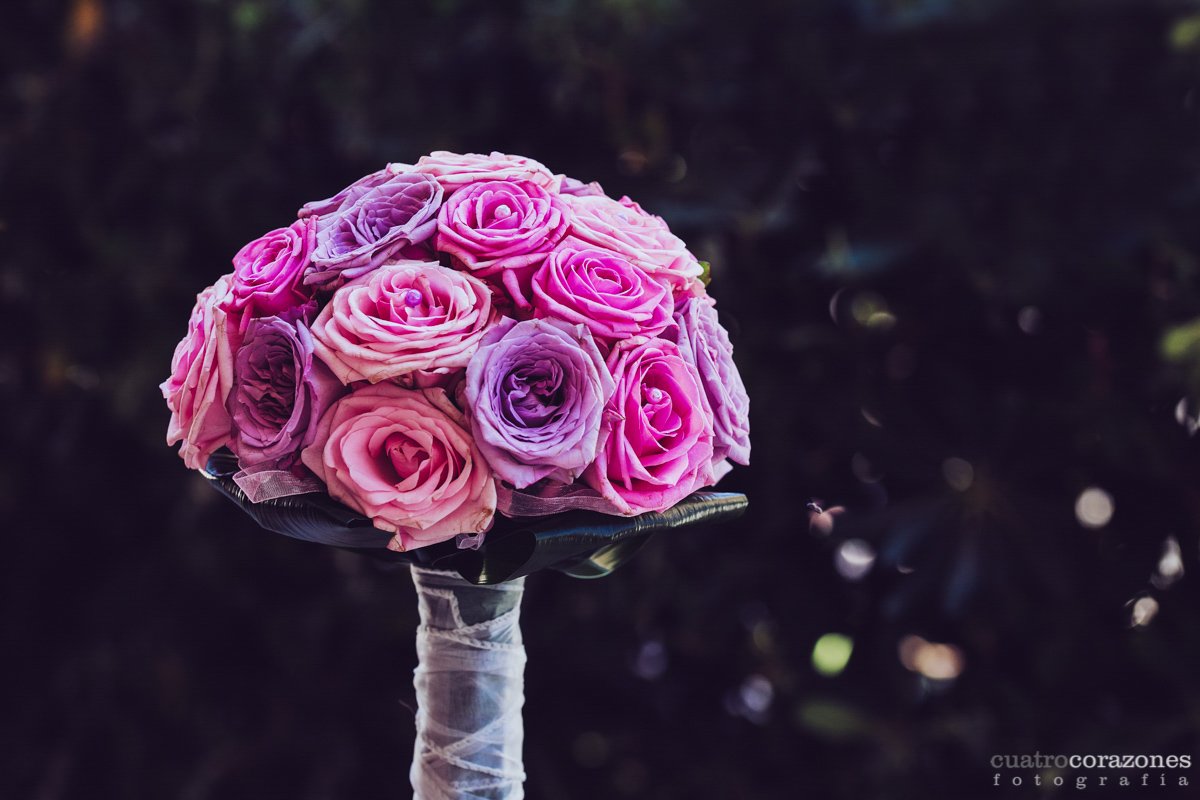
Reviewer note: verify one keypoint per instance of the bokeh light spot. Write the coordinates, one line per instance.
(853, 559)
(831, 654)
(959, 473)
(933, 660)
(868, 306)
(651, 660)
(1094, 507)
(1029, 320)
(1170, 564)
(1144, 610)
(820, 520)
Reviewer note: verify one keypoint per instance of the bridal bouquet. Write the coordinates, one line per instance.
(464, 336)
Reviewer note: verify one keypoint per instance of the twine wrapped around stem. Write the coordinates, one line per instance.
(470, 682)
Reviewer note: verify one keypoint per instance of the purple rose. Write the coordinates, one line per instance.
(279, 393)
(504, 229)
(536, 391)
(319, 208)
(373, 223)
(268, 272)
(705, 344)
(603, 290)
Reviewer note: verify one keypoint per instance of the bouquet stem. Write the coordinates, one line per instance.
(470, 682)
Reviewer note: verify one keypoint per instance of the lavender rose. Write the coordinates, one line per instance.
(601, 289)
(361, 186)
(374, 223)
(705, 344)
(279, 392)
(405, 318)
(656, 435)
(404, 458)
(454, 170)
(643, 238)
(268, 272)
(536, 390)
(504, 229)
(201, 377)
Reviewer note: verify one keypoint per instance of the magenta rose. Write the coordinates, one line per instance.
(456, 170)
(268, 272)
(404, 318)
(656, 442)
(705, 344)
(601, 289)
(279, 392)
(201, 377)
(536, 390)
(404, 458)
(374, 223)
(502, 229)
(641, 237)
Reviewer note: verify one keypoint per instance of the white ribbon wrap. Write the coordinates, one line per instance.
(470, 682)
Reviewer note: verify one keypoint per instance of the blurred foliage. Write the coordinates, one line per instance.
(956, 243)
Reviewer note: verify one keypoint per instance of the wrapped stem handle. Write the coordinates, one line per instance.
(470, 682)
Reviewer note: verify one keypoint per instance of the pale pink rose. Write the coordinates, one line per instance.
(456, 170)
(201, 377)
(569, 185)
(404, 318)
(641, 237)
(502, 230)
(404, 458)
(656, 436)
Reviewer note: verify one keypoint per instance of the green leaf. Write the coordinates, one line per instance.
(705, 272)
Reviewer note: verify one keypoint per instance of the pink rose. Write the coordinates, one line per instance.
(268, 272)
(504, 229)
(201, 376)
(404, 320)
(656, 437)
(641, 237)
(601, 289)
(456, 170)
(569, 185)
(404, 458)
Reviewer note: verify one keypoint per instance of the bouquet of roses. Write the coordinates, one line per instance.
(469, 335)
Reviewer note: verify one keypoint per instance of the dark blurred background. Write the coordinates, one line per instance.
(956, 244)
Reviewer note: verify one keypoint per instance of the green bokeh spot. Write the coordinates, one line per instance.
(831, 653)
(1182, 342)
(1185, 33)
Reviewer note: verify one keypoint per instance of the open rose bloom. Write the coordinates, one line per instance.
(460, 337)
